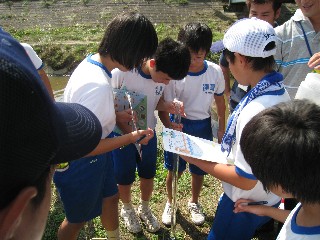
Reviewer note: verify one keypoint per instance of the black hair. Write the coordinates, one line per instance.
(9, 194)
(172, 58)
(282, 146)
(276, 4)
(196, 36)
(129, 39)
(257, 63)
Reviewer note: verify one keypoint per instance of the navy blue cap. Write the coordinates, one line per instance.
(35, 131)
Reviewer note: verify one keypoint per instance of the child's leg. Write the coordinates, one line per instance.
(109, 213)
(124, 161)
(196, 185)
(124, 168)
(168, 164)
(229, 225)
(147, 171)
(147, 168)
(199, 128)
(195, 209)
(109, 216)
(81, 188)
(125, 193)
(69, 231)
(146, 188)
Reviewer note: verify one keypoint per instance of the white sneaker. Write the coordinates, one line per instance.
(166, 215)
(197, 215)
(131, 220)
(151, 222)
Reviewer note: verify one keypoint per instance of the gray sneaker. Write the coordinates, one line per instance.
(131, 220)
(197, 215)
(151, 222)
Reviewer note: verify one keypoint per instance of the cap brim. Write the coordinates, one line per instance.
(217, 47)
(82, 132)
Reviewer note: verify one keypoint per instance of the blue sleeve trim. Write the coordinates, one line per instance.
(242, 173)
(300, 229)
(39, 68)
(219, 94)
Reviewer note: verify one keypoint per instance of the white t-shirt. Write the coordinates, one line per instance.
(137, 81)
(291, 231)
(37, 62)
(236, 156)
(89, 86)
(197, 90)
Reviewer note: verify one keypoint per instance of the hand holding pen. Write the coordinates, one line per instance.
(256, 207)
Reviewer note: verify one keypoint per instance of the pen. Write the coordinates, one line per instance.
(254, 203)
(140, 139)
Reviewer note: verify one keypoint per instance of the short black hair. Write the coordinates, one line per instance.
(8, 194)
(129, 39)
(196, 36)
(257, 63)
(276, 4)
(172, 58)
(282, 146)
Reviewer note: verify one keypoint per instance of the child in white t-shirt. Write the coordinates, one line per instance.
(203, 85)
(249, 49)
(38, 64)
(87, 187)
(170, 62)
(281, 144)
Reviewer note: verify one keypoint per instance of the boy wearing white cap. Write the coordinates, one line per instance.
(250, 46)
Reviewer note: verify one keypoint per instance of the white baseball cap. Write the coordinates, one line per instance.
(249, 37)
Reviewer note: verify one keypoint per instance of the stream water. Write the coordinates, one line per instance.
(58, 84)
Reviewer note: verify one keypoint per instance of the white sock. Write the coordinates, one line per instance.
(114, 235)
(127, 206)
(144, 204)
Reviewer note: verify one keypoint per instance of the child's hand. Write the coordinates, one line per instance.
(171, 107)
(259, 210)
(176, 126)
(177, 105)
(125, 116)
(141, 133)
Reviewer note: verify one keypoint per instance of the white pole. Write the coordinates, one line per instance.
(175, 175)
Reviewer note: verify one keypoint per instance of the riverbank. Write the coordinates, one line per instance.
(64, 32)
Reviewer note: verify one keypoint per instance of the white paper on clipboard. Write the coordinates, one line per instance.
(187, 145)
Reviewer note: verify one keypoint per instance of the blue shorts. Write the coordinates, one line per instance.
(236, 226)
(198, 128)
(84, 185)
(127, 160)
